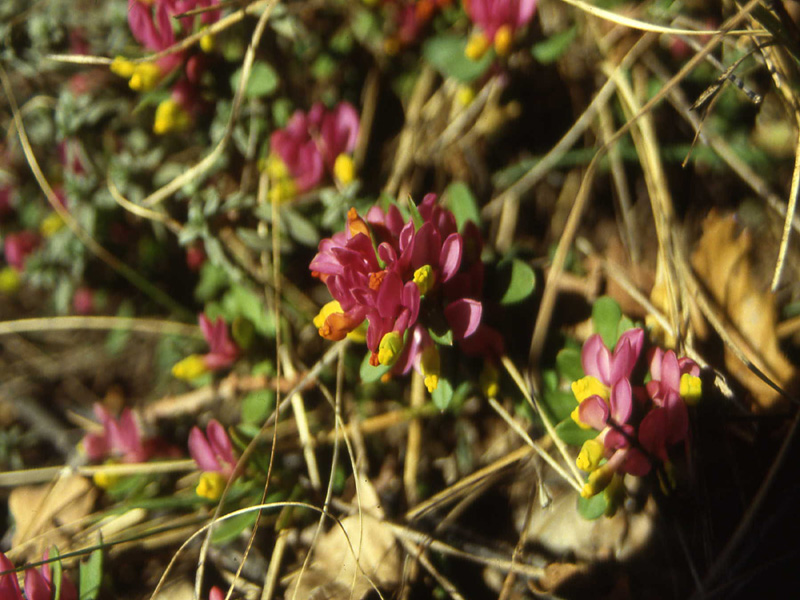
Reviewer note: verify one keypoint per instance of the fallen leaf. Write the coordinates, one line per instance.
(49, 512)
(723, 264)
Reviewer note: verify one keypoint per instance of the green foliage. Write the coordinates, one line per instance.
(572, 434)
(521, 281)
(370, 374)
(606, 315)
(460, 200)
(592, 508)
(568, 364)
(91, 576)
(446, 53)
(229, 529)
(118, 338)
(550, 50)
(257, 406)
(263, 80)
(443, 394)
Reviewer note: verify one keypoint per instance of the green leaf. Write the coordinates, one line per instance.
(442, 395)
(625, 324)
(606, 315)
(522, 281)
(559, 403)
(592, 508)
(91, 576)
(213, 279)
(459, 199)
(300, 228)
(56, 570)
(257, 406)
(569, 431)
(263, 80)
(370, 374)
(415, 216)
(229, 529)
(550, 50)
(568, 363)
(446, 54)
(444, 339)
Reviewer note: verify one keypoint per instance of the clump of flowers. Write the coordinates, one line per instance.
(222, 353)
(635, 425)
(311, 144)
(497, 21)
(213, 453)
(39, 584)
(406, 279)
(121, 439)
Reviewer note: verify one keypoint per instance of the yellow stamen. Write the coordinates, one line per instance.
(430, 365)
(589, 386)
(51, 224)
(211, 485)
(207, 43)
(191, 367)
(598, 481)
(691, 389)
(145, 77)
(424, 277)
(344, 169)
(590, 455)
(276, 168)
(490, 380)
(122, 67)
(477, 46)
(105, 480)
(170, 117)
(465, 95)
(390, 348)
(503, 39)
(9, 280)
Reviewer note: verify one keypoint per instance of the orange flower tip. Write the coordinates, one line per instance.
(356, 224)
(373, 359)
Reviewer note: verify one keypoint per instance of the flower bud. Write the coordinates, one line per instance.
(211, 485)
(390, 348)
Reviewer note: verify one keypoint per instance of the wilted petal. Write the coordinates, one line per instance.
(463, 316)
(594, 412)
(450, 256)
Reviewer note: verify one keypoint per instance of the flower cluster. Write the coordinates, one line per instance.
(405, 279)
(120, 439)
(151, 22)
(497, 22)
(310, 144)
(222, 353)
(609, 404)
(406, 20)
(213, 453)
(38, 585)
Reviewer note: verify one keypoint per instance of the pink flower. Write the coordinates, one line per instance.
(38, 583)
(216, 594)
(299, 152)
(600, 363)
(120, 438)
(491, 15)
(212, 451)
(18, 246)
(223, 352)
(83, 301)
(150, 25)
(389, 272)
(666, 371)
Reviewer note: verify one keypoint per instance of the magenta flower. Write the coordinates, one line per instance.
(497, 21)
(38, 583)
(150, 25)
(18, 246)
(384, 269)
(310, 144)
(666, 371)
(120, 439)
(223, 352)
(212, 451)
(607, 367)
(216, 594)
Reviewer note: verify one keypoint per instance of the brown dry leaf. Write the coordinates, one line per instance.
(335, 572)
(39, 510)
(723, 264)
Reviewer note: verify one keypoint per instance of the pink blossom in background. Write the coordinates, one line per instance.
(17, 247)
(223, 352)
(83, 301)
(6, 207)
(120, 439)
(491, 15)
(212, 451)
(599, 362)
(38, 583)
(216, 594)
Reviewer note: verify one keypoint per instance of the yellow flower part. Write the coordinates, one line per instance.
(590, 455)
(51, 224)
(465, 95)
(276, 168)
(490, 380)
(9, 280)
(390, 348)
(576, 416)
(207, 43)
(105, 480)
(424, 277)
(145, 77)
(122, 67)
(358, 335)
(477, 46)
(503, 39)
(170, 117)
(211, 485)
(430, 365)
(691, 389)
(589, 386)
(191, 367)
(598, 481)
(615, 495)
(344, 169)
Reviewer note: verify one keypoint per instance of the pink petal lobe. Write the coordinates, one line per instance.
(200, 450)
(621, 401)
(463, 316)
(450, 256)
(594, 412)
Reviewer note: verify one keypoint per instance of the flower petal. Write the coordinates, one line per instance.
(450, 256)
(620, 400)
(463, 316)
(594, 412)
(200, 450)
